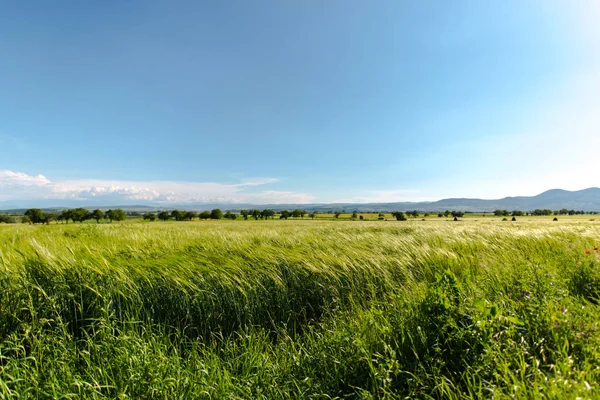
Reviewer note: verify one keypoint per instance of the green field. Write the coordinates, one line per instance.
(301, 309)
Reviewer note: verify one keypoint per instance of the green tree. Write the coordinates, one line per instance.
(399, 216)
(164, 215)
(49, 217)
(190, 215)
(230, 215)
(150, 216)
(118, 215)
(177, 215)
(205, 215)
(35, 215)
(268, 213)
(354, 214)
(216, 214)
(66, 215)
(296, 213)
(97, 215)
(80, 214)
(337, 214)
(285, 214)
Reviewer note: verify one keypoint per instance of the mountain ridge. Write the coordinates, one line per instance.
(586, 199)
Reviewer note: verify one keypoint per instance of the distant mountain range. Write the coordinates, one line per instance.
(555, 199)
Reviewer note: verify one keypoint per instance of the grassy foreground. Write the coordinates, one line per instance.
(300, 309)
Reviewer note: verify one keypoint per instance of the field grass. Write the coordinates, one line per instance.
(301, 309)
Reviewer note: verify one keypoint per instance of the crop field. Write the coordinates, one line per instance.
(301, 309)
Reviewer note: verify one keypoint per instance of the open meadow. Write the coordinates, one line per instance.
(301, 309)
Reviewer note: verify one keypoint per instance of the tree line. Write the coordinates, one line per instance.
(180, 215)
(537, 212)
(37, 216)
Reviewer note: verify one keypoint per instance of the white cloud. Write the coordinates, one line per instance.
(10, 179)
(20, 186)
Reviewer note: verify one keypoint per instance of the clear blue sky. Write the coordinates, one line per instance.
(307, 101)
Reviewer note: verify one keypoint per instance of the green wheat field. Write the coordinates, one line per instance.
(301, 309)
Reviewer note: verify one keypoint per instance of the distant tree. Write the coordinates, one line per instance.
(517, 213)
(296, 213)
(399, 215)
(426, 214)
(337, 214)
(563, 211)
(151, 216)
(354, 214)
(49, 217)
(190, 215)
(256, 214)
(119, 215)
(361, 217)
(415, 214)
(177, 215)
(380, 216)
(164, 216)
(230, 215)
(80, 214)
(66, 215)
(458, 214)
(25, 219)
(216, 214)
(267, 213)
(244, 213)
(35, 215)
(97, 215)
(447, 213)
(285, 214)
(440, 215)
(205, 215)
(7, 219)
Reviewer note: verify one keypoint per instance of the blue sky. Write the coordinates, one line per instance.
(296, 102)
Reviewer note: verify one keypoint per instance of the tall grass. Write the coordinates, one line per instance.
(300, 309)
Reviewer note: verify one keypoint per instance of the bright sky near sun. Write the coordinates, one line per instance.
(158, 102)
